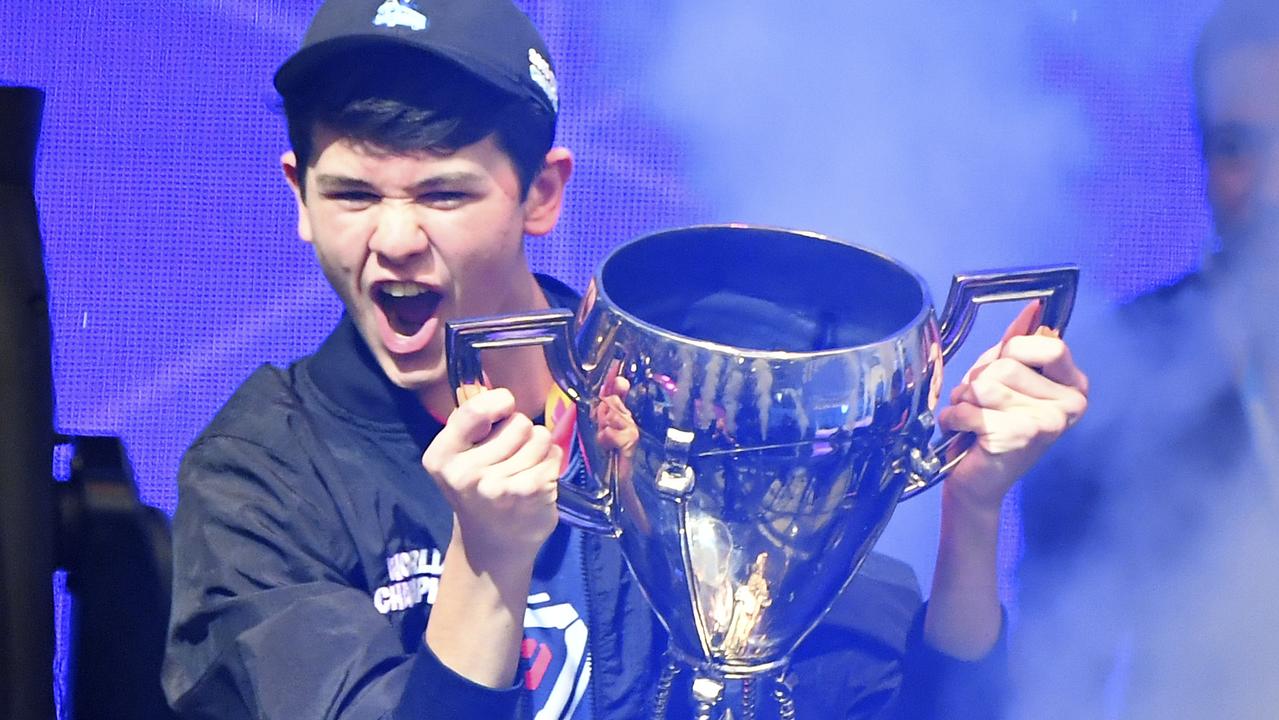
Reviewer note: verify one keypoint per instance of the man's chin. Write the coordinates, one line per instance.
(415, 380)
(411, 372)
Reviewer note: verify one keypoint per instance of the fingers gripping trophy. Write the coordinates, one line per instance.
(752, 405)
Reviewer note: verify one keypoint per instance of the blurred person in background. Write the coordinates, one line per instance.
(1145, 567)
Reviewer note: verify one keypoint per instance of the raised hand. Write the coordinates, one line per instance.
(1017, 399)
(500, 472)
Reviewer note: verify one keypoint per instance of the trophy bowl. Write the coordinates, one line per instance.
(777, 404)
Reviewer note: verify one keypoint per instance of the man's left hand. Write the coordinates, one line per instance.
(1018, 398)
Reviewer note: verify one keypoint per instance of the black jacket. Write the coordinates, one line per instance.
(300, 497)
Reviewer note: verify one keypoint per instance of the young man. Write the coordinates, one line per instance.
(351, 545)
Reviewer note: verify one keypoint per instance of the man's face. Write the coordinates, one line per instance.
(1241, 140)
(410, 241)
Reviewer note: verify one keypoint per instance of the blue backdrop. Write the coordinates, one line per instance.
(996, 133)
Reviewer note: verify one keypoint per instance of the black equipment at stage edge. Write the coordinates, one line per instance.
(116, 551)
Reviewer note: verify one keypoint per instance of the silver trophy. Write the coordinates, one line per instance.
(777, 403)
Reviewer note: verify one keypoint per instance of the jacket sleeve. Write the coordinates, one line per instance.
(269, 619)
(936, 685)
(870, 660)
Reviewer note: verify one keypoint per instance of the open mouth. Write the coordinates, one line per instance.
(407, 305)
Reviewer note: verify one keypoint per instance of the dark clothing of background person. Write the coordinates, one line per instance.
(1146, 527)
(1167, 430)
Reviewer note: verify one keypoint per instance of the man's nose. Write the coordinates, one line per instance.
(399, 236)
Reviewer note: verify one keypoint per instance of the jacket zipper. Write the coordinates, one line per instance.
(591, 640)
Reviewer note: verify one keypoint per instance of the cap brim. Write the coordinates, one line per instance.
(298, 71)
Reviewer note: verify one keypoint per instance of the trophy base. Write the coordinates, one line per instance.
(711, 688)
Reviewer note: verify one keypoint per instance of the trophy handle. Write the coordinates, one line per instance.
(551, 329)
(1054, 286)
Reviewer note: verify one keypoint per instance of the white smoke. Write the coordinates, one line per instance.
(938, 133)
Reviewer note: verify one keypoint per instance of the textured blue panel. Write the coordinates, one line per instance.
(170, 241)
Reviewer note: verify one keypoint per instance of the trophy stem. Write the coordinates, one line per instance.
(663, 698)
(708, 692)
(784, 692)
(749, 699)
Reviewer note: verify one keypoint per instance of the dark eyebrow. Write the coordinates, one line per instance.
(338, 183)
(332, 183)
(451, 179)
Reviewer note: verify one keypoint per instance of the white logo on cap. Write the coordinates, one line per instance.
(400, 13)
(540, 70)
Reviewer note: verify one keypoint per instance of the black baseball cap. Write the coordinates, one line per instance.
(493, 40)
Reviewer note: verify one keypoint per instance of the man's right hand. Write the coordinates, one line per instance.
(500, 473)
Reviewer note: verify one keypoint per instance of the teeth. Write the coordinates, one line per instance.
(403, 289)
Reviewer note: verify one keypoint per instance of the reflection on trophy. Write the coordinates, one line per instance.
(752, 405)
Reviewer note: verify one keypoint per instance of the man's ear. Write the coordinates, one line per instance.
(289, 165)
(546, 194)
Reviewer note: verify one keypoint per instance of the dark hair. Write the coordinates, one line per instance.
(401, 100)
(1235, 24)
